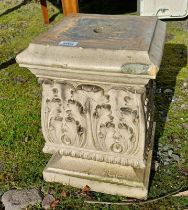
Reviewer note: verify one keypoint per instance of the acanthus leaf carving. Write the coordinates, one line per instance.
(87, 117)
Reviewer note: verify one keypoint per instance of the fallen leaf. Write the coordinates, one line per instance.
(184, 171)
(55, 203)
(47, 201)
(86, 189)
(64, 194)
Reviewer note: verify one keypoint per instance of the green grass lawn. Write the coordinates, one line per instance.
(21, 140)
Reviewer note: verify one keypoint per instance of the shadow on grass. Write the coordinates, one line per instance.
(90, 6)
(13, 8)
(174, 59)
(53, 17)
(7, 63)
(113, 7)
(103, 7)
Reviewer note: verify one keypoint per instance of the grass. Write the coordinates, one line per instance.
(21, 140)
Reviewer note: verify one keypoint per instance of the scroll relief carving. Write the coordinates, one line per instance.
(89, 119)
(149, 110)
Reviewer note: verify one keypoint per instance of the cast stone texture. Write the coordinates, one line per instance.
(97, 100)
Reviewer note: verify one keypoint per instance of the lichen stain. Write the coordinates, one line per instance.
(134, 68)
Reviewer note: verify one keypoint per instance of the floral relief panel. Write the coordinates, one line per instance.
(92, 119)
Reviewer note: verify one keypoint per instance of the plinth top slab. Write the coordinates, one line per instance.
(103, 32)
(105, 43)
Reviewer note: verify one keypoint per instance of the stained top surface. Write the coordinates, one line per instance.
(103, 32)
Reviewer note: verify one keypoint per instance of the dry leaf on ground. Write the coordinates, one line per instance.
(64, 194)
(55, 203)
(184, 171)
(86, 189)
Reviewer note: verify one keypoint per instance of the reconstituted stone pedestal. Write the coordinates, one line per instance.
(97, 104)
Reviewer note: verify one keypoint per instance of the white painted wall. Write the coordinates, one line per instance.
(163, 8)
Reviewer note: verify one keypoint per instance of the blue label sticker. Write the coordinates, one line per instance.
(68, 43)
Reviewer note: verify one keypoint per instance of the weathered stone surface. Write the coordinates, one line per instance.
(47, 200)
(124, 41)
(18, 199)
(97, 100)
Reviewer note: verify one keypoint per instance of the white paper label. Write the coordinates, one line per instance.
(68, 43)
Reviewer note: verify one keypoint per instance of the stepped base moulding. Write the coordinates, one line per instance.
(97, 75)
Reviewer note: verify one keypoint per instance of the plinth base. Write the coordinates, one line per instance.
(100, 176)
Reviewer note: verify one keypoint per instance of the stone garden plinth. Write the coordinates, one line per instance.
(97, 100)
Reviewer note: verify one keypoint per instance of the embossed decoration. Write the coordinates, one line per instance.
(97, 100)
(149, 112)
(87, 117)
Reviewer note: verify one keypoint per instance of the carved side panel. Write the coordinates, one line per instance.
(88, 122)
(149, 112)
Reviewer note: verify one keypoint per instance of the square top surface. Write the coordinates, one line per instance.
(103, 31)
(98, 44)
